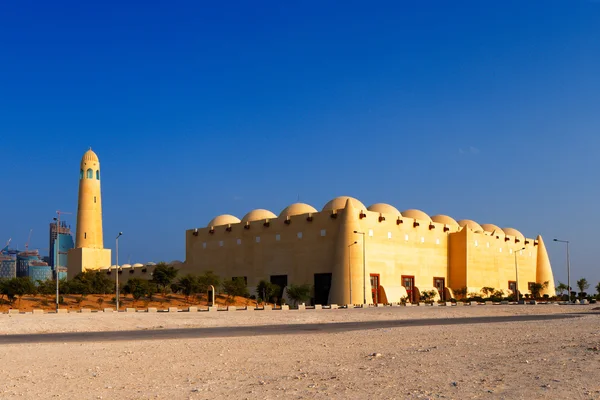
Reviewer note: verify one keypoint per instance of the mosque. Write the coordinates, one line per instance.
(348, 253)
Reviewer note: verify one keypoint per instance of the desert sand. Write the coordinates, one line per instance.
(555, 359)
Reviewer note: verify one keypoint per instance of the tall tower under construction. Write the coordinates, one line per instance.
(89, 251)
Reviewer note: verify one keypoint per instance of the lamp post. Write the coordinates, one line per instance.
(117, 267)
(568, 267)
(517, 273)
(364, 268)
(350, 271)
(56, 260)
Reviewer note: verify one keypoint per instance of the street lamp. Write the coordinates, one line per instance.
(517, 273)
(364, 268)
(117, 267)
(568, 267)
(56, 260)
(350, 271)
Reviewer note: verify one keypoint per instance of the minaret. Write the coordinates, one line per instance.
(89, 252)
(89, 207)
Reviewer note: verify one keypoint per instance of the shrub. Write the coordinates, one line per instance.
(267, 290)
(235, 287)
(299, 293)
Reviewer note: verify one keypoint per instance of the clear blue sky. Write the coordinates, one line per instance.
(486, 110)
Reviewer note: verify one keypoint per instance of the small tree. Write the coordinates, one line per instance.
(188, 285)
(163, 275)
(536, 288)
(487, 290)
(598, 289)
(266, 290)
(582, 284)
(209, 278)
(137, 288)
(561, 288)
(100, 301)
(299, 293)
(235, 287)
(461, 292)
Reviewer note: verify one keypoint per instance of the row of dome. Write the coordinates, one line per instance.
(340, 203)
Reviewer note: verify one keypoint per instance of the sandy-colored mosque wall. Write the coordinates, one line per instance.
(398, 245)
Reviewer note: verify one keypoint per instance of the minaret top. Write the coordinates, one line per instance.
(90, 156)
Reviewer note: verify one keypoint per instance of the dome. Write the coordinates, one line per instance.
(513, 232)
(138, 265)
(174, 262)
(444, 219)
(258, 215)
(224, 219)
(384, 209)
(491, 228)
(126, 266)
(297, 209)
(89, 156)
(416, 214)
(150, 263)
(340, 202)
(472, 225)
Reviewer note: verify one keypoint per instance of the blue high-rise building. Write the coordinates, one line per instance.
(58, 256)
(39, 271)
(8, 267)
(25, 259)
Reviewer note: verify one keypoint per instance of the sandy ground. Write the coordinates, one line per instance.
(556, 359)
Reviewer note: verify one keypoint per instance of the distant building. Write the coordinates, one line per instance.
(25, 259)
(8, 267)
(65, 242)
(39, 271)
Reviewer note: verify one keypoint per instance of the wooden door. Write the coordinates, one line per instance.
(440, 285)
(375, 288)
(409, 283)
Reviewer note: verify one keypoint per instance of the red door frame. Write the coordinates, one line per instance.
(411, 291)
(442, 292)
(375, 291)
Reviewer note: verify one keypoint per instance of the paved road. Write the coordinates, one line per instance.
(238, 331)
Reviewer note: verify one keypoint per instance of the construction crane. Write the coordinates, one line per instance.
(5, 249)
(28, 240)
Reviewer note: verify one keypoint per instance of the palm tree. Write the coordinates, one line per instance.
(561, 288)
(582, 284)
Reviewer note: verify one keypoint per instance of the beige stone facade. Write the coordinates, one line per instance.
(404, 252)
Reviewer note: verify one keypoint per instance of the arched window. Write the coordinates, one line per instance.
(98, 174)
(81, 174)
(90, 173)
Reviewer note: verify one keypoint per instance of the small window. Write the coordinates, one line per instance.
(98, 174)
(500, 249)
(422, 239)
(509, 251)
(277, 237)
(529, 254)
(204, 245)
(80, 174)
(90, 173)
(371, 232)
(85, 235)
(258, 239)
(221, 243)
(488, 245)
(239, 241)
(299, 235)
(437, 241)
(94, 199)
(389, 235)
(406, 237)
(476, 243)
(323, 232)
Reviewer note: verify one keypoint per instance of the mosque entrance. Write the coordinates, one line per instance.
(440, 285)
(322, 287)
(409, 283)
(281, 281)
(375, 288)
